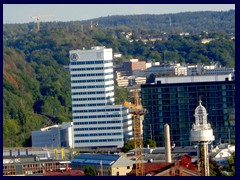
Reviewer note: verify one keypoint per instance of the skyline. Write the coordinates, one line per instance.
(70, 12)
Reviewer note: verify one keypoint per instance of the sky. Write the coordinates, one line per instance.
(21, 13)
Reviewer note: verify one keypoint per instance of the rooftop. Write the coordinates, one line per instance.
(103, 159)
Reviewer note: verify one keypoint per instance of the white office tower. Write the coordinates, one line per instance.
(202, 133)
(97, 121)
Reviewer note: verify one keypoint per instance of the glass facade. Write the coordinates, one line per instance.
(175, 104)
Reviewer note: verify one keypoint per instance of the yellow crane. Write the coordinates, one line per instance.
(38, 17)
(138, 112)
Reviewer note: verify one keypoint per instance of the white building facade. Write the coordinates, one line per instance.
(53, 136)
(97, 121)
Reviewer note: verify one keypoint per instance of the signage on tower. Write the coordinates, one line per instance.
(74, 56)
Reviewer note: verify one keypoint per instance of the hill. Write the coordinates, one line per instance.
(36, 86)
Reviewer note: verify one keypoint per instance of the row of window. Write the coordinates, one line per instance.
(191, 89)
(98, 140)
(90, 62)
(84, 105)
(93, 74)
(91, 87)
(91, 80)
(97, 128)
(92, 92)
(96, 110)
(97, 122)
(92, 99)
(91, 69)
(98, 134)
(99, 116)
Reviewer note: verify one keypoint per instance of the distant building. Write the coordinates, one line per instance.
(131, 65)
(117, 55)
(219, 71)
(161, 69)
(104, 164)
(194, 69)
(151, 63)
(173, 100)
(206, 40)
(122, 81)
(167, 69)
(54, 136)
(125, 81)
(176, 69)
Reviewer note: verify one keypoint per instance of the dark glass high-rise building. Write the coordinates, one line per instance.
(173, 100)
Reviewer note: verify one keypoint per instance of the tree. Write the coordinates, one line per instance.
(128, 146)
(121, 94)
(149, 142)
(231, 163)
(151, 78)
(89, 171)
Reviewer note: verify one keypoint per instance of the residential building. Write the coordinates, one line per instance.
(172, 100)
(104, 164)
(97, 121)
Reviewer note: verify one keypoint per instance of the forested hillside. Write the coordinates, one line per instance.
(193, 22)
(36, 86)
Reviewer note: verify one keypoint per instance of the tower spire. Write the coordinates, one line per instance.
(200, 101)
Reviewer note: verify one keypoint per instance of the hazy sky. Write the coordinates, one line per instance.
(21, 13)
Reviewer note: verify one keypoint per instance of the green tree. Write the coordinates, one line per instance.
(89, 171)
(149, 142)
(121, 94)
(214, 168)
(231, 163)
(129, 145)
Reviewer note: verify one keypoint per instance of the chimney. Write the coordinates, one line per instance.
(167, 143)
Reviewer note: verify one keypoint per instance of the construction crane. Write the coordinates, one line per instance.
(38, 19)
(138, 112)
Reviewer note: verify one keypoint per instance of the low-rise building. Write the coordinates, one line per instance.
(104, 164)
(54, 136)
(29, 165)
(180, 167)
(221, 153)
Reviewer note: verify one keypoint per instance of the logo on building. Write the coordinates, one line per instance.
(74, 57)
